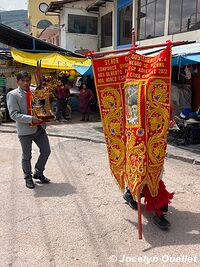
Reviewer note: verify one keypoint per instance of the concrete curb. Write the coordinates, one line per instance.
(63, 136)
(6, 131)
(75, 137)
(184, 159)
(78, 138)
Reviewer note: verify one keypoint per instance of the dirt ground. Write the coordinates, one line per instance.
(81, 219)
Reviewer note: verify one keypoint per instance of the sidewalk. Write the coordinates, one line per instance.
(92, 132)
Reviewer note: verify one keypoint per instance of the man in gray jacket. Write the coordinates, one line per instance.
(17, 106)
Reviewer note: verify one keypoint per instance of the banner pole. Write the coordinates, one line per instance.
(139, 215)
(133, 38)
(138, 197)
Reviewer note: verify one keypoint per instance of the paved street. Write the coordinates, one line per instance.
(81, 219)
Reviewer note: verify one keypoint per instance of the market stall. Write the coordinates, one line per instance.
(51, 60)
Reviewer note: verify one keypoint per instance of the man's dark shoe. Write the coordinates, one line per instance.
(129, 199)
(42, 179)
(30, 184)
(161, 222)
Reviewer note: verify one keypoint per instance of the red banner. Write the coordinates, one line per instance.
(134, 93)
(110, 75)
(147, 94)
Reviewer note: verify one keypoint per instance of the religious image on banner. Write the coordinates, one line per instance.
(39, 105)
(131, 103)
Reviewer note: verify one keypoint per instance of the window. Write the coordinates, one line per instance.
(82, 24)
(125, 24)
(184, 15)
(106, 30)
(43, 24)
(151, 18)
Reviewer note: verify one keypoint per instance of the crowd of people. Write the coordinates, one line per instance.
(60, 100)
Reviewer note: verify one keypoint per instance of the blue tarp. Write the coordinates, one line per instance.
(84, 70)
(181, 54)
(186, 60)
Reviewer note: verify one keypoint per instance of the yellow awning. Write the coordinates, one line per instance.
(49, 60)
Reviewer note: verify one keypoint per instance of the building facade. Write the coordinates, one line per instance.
(78, 27)
(106, 25)
(99, 25)
(154, 21)
(50, 35)
(38, 20)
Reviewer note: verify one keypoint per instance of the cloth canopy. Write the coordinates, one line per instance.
(50, 60)
(186, 60)
(182, 55)
(186, 54)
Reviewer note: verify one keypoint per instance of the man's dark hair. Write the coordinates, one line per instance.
(22, 75)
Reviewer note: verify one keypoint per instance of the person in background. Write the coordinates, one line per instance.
(84, 99)
(17, 106)
(62, 94)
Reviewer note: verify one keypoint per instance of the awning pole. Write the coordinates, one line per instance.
(94, 54)
(38, 73)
